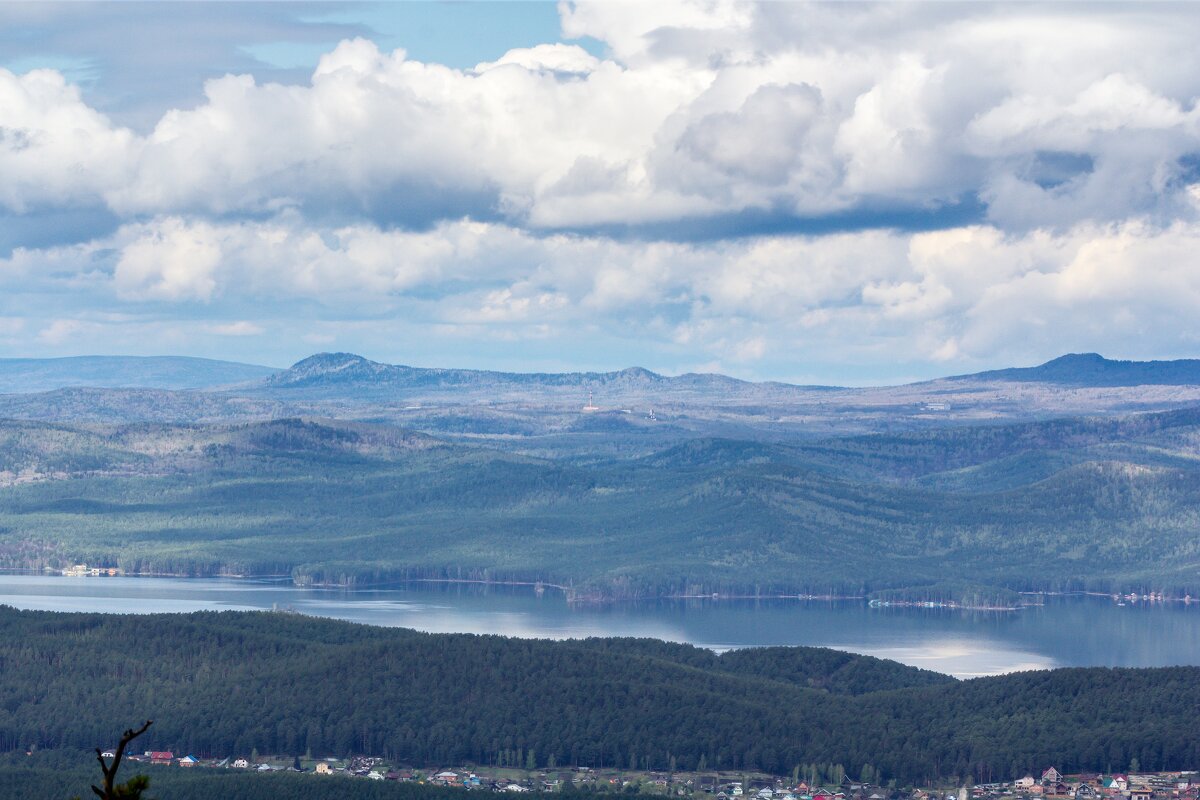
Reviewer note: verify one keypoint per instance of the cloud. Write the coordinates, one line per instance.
(701, 110)
(239, 328)
(748, 184)
(61, 330)
(172, 260)
(55, 151)
(963, 295)
(137, 62)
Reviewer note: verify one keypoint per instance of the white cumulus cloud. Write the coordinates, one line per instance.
(655, 193)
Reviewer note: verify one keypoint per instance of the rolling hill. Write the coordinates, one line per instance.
(1111, 503)
(227, 683)
(1092, 369)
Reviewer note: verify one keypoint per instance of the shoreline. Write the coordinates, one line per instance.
(569, 595)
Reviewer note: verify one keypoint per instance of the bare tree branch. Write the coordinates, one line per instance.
(110, 770)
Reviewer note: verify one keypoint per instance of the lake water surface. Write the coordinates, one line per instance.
(1074, 631)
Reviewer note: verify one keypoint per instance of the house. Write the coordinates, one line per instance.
(1141, 793)
(515, 787)
(1024, 783)
(161, 757)
(241, 763)
(189, 761)
(1051, 777)
(323, 768)
(1085, 791)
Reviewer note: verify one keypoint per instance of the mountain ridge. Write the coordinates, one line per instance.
(342, 371)
(1093, 369)
(1073, 369)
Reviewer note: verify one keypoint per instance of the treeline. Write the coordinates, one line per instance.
(229, 683)
(962, 592)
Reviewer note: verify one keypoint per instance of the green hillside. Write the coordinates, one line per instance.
(220, 684)
(1103, 504)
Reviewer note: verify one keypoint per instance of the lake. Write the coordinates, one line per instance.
(1065, 631)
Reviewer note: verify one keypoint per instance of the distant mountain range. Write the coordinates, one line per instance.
(1093, 369)
(338, 373)
(347, 369)
(25, 375)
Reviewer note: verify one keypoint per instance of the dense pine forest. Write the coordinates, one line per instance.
(224, 684)
(1111, 503)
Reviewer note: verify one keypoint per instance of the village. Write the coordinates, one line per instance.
(1182, 785)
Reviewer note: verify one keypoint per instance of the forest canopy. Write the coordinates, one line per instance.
(226, 684)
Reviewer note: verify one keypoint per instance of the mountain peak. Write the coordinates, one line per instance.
(637, 373)
(330, 361)
(1093, 369)
(328, 368)
(1078, 359)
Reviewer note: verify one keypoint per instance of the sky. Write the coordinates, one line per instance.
(843, 192)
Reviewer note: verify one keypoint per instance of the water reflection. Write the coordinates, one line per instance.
(960, 643)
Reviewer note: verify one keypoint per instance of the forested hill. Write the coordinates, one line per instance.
(224, 684)
(1111, 503)
(1092, 369)
(347, 372)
